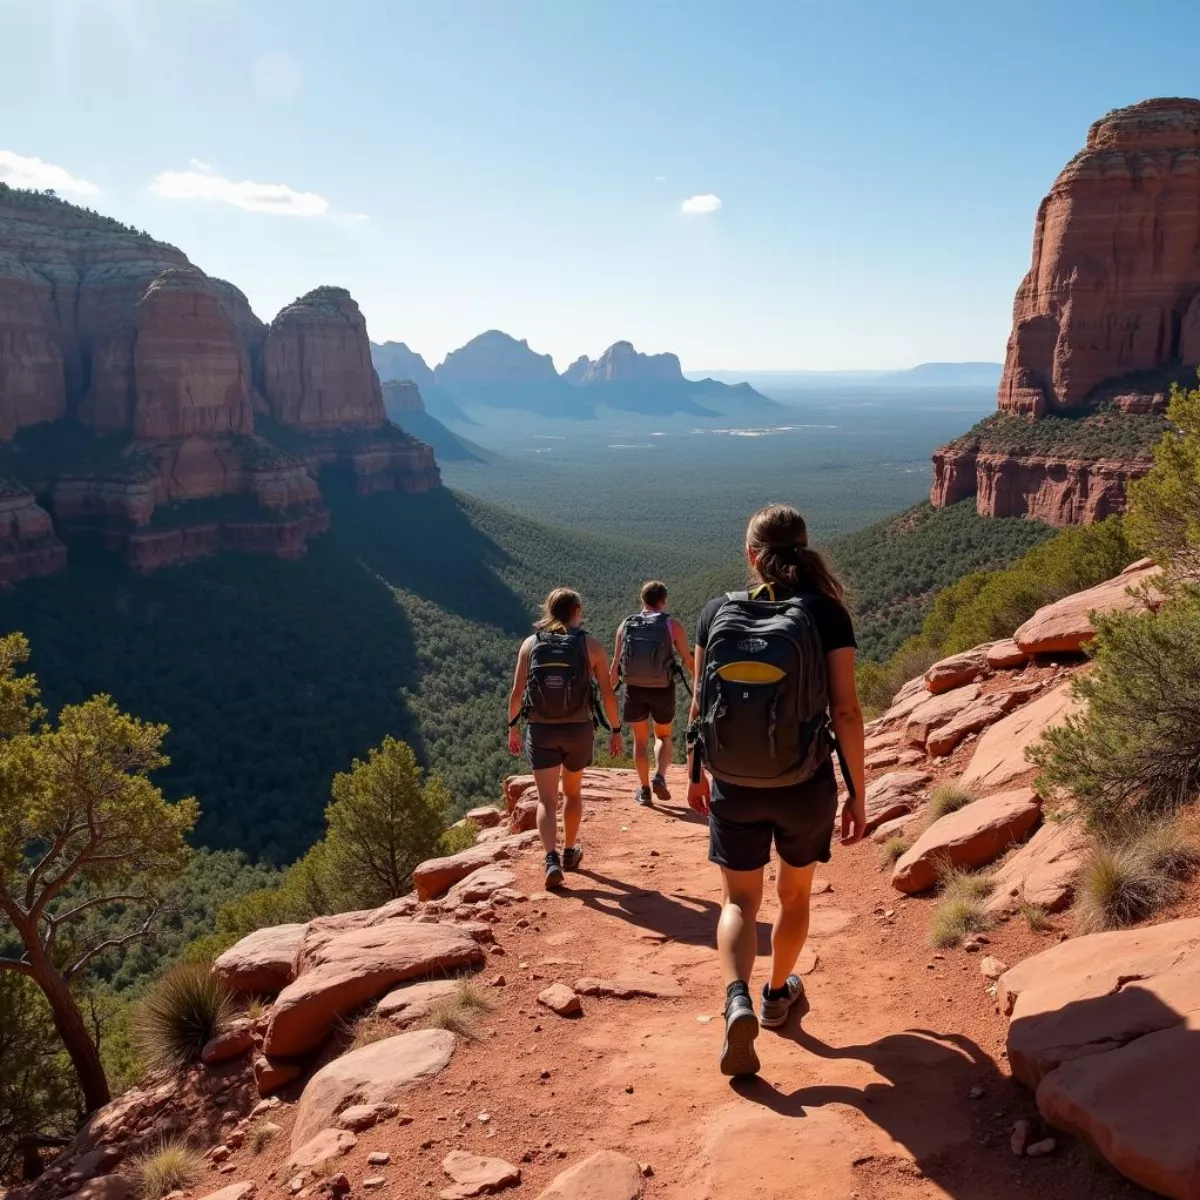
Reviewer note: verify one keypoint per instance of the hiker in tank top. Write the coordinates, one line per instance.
(774, 678)
(559, 671)
(644, 657)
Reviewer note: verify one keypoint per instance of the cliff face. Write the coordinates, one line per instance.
(1115, 277)
(1106, 319)
(621, 363)
(139, 372)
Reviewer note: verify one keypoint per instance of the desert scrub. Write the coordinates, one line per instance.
(948, 798)
(1124, 882)
(174, 1165)
(892, 849)
(959, 910)
(1036, 916)
(185, 1009)
(461, 1012)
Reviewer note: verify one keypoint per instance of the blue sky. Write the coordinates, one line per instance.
(522, 164)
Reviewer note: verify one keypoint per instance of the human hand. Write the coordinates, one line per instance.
(699, 796)
(514, 740)
(616, 744)
(854, 820)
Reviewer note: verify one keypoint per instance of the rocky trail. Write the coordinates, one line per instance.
(580, 1061)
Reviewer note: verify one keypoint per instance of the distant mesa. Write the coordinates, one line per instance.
(947, 374)
(143, 403)
(395, 361)
(1106, 319)
(406, 408)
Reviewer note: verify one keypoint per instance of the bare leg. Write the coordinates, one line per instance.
(641, 749)
(794, 886)
(737, 931)
(546, 781)
(572, 786)
(663, 750)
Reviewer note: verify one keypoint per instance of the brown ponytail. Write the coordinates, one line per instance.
(779, 538)
(558, 611)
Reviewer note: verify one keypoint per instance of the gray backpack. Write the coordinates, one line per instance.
(647, 652)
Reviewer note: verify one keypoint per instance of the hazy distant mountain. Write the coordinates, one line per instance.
(394, 360)
(948, 374)
(498, 371)
(406, 408)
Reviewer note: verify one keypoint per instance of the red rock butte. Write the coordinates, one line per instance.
(1107, 317)
(132, 384)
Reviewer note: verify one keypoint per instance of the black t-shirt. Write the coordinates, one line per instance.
(836, 632)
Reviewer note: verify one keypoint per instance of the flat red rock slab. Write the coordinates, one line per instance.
(476, 1176)
(605, 1175)
(626, 987)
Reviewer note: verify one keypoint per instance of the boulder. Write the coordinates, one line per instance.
(235, 1191)
(1066, 627)
(605, 1175)
(262, 962)
(882, 832)
(435, 876)
(971, 837)
(232, 1042)
(889, 739)
(358, 1117)
(523, 817)
(104, 1187)
(892, 795)
(327, 1143)
(415, 1001)
(321, 930)
(949, 673)
(912, 694)
(937, 710)
(1042, 872)
(355, 967)
(481, 884)
(485, 817)
(1004, 655)
(999, 756)
(475, 1176)
(516, 786)
(271, 1076)
(402, 906)
(977, 715)
(1107, 1029)
(379, 1073)
(626, 987)
(883, 758)
(560, 999)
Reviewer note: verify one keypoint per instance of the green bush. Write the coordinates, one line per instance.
(180, 1013)
(1134, 752)
(1102, 432)
(959, 910)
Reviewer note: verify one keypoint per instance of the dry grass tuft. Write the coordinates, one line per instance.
(959, 909)
(946, 799)
(182, 1011)
(460, 1013)
(1123, 883)
(173, 1166)
(1037, 916)
(892, 849)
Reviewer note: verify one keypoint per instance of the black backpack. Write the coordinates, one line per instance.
(764, 697)
(647, 651)
(558, 686)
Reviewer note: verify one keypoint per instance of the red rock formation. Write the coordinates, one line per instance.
(32, 385)
(28, 545)
(402, 395)
(1116, 262)
(317, 365)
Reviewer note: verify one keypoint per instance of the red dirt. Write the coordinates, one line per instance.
(867, 1095)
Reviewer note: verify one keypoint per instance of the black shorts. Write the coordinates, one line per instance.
(569, 745)
(742, 822)
(656, 703)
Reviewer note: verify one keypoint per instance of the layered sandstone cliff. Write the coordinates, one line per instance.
(1107, 318)
(133, 387)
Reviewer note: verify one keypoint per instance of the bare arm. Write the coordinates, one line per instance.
(679, 641)
(599, 663)
(516, 698)
(846, 717)
(615, 676)
(698, 792)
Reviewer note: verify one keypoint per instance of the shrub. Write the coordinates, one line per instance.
(368, 1030)
(173, 1166)
(1037, 916)
(180, 1013)
(893, 848)
(460, 1012)
(959, 909)
(1168, 851)
(1134, 752)
(947, 798)
(261, 1135)
(1120, 884)
(454, 839)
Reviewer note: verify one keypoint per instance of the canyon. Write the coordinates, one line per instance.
(1104, 322)
(142, 402)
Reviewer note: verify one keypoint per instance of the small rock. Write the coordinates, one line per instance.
(499, 981)
(219, 1154)
(647, 1170)
(976, 1092)
(629, 1089)
(972, 946)
(1021, 1132)
(992, 968)
(1038, 1149)
(374, 1181)
(484, 1118)
(560, 999)
(297, 1182)
(338, 1184)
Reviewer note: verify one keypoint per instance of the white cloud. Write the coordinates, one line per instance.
(706, 202)
(18, 171)
(200, 164)
(275, 198)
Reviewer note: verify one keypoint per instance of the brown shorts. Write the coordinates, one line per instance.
(649, 703)
(569, 745)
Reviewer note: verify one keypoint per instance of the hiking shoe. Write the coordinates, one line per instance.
(738, 1056)
(659, 784)
(572, 857)
(774, 1013)
(554, 871)
(642, 796)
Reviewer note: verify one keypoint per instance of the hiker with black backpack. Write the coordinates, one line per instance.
(644, 659)
(774, 697)
(562, 690)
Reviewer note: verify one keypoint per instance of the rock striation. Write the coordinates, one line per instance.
(133, 386)
(1107, 317)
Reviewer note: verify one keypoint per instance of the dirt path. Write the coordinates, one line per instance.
(893, 1084)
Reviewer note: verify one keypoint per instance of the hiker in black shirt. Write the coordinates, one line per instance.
(785, 712)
